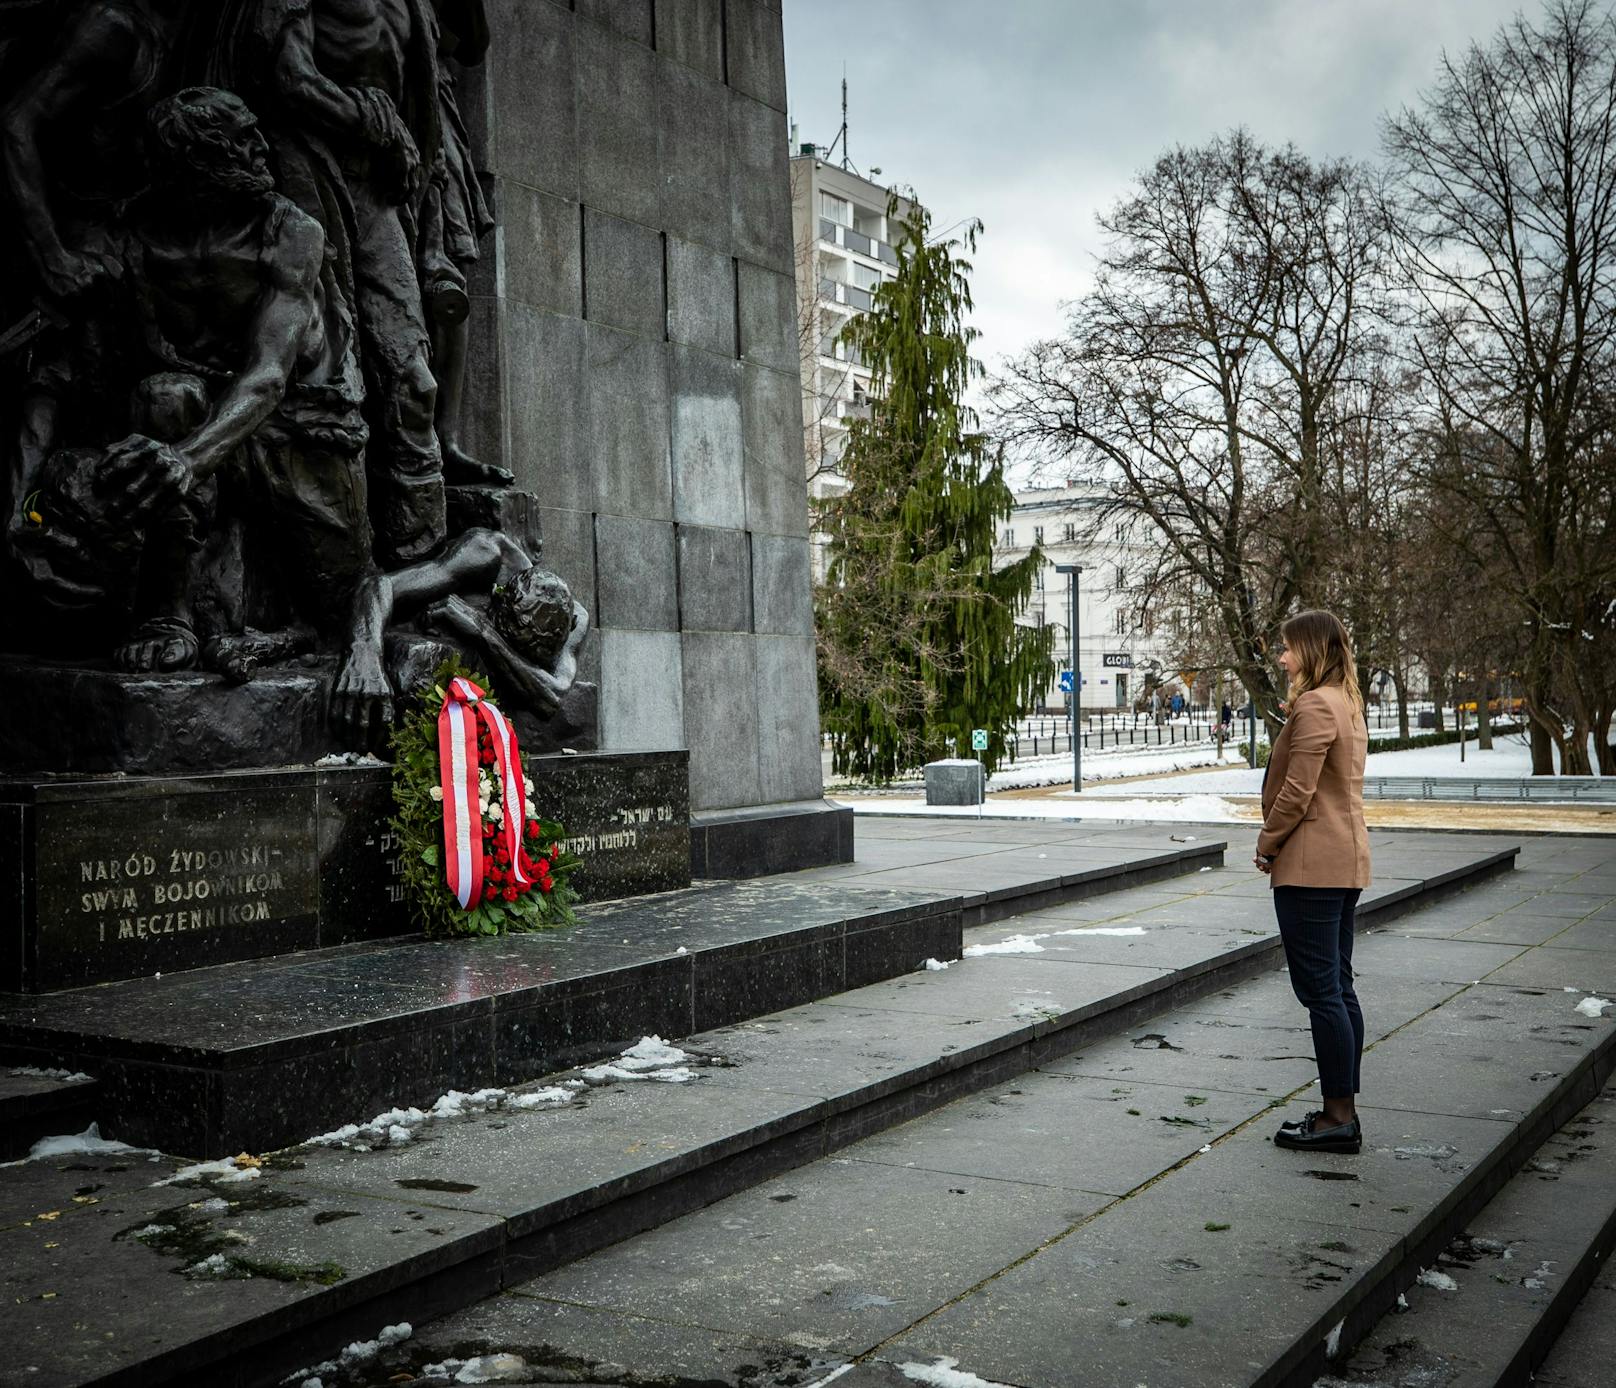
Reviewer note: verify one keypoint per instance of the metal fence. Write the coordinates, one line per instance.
(1496, 788)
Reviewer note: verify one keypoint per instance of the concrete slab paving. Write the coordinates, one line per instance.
(1195, 1053)
(835, 1257)
(1080, 1134)
(1583, 1355)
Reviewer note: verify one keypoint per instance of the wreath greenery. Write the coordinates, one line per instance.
(507, 906)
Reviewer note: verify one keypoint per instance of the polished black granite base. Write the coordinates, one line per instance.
(764, 839)
(116, 878)
(258, 1055)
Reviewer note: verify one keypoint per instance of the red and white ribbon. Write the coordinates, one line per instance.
(458, 772)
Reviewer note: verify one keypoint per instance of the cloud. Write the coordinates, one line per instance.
(1034, 115)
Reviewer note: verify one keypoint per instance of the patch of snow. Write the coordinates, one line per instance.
(212, 1205)
(1104, 930)
(536, 1098)
(681, 950)
(152, 1231)
(215, 1265)
(1016, 944)
(650, 1058)
(1198, 809)
(494, 1368)
(89, 1143)
(362, 1350)
(34, 1072)
(1402, 1302)
(932, 966)
(1430, 1277)
(222, 1170)
(1205, 869)
(349, 759)
(1332, 1341)
(946, 1373)
(1591, 1006)
(832, 1376)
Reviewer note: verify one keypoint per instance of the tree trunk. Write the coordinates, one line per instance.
(1484, 722)
(1544, 736)
(1401, 686)
(1602, 748)
(1574, 754)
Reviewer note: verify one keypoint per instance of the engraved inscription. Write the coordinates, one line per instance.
(142, 895)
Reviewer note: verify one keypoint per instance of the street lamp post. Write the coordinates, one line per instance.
(1072, 571)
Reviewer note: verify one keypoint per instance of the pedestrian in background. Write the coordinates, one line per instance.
(1314, 846)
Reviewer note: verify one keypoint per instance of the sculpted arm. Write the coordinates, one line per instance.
(1312, 731)
(148, 469)
(78, 77)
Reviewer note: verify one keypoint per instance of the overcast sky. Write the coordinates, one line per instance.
(1035, 114)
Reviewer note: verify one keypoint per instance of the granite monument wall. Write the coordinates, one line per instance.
(634, 352)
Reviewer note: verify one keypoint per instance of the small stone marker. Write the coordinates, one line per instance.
(954, 781)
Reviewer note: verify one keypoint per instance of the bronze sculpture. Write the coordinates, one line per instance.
(230, 385)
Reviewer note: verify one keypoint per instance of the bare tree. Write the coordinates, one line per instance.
(1504, 197)
(1203, 377)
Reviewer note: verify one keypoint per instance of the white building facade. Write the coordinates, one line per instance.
(844, 253)
(1120, 651)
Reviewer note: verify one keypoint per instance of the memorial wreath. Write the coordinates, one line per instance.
(477, 858)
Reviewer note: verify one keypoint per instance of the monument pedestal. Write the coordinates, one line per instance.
(123, 877)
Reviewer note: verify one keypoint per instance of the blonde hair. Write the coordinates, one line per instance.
(1323, 655)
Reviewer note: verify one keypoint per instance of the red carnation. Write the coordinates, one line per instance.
(509, 893)
(488, 889)
(533, 828)
(545, 884)
(486, 756)
(502, 854)
(555, 851)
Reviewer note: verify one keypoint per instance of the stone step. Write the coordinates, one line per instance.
(255, 1054)
(1114, 1218)
(1486, 1311)
(36, 1103)
(1586, 1348)
(413, 1228)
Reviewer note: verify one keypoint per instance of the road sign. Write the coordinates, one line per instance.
(1066, 681)
(979, 739)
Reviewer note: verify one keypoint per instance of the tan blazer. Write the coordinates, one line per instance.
(1313, 823)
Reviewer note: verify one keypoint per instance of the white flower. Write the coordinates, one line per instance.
(528, 812)
(436, 792)
(527, 784)
(495, 813)
(482, 806)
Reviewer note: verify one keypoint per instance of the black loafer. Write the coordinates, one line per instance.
(1312, 1136)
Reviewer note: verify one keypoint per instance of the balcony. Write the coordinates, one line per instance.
(850, 296)
(835, 234)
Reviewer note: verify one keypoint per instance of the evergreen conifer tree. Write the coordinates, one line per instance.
(917, 637)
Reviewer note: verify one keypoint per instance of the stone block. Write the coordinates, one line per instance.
(641, 691)
(483, 429)
(693, 155)
(954, 781)
(721, 718)
(617, 148)
(789, 766)
(636, 575)
(538, 248)
(533, 96)
(701, 297)
(782, 586)
(715, 581)
(623, 275)
(547, 373)
(707, 469)
(760, 184)
(771, 422)
(631, 18)
(767, 304)
(628, 451)
(569, 550)
(754, 42)
(692, 32)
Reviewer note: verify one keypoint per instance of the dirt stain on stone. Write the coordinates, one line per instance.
(431, 1183)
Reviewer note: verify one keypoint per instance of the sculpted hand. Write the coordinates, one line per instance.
(71, 273)
(362, 702)
(146, 473)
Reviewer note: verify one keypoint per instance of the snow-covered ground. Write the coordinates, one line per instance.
(1191, 809)
(1510, 756)
(1109, 765)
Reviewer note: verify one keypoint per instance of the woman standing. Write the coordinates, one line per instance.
(1315, 848)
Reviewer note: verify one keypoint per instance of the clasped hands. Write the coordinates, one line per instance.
(146, 472)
